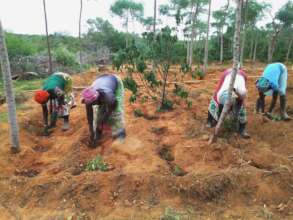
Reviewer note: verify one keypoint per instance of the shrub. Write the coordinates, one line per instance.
(167, 105)
(97, 164)
(140, 65)
(130, 84)
(64, 57)
(150, 77)
(138, 113)
(179, 91)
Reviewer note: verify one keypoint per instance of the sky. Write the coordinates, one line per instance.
(27, 16)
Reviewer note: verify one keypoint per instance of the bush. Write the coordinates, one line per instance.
(118, 59)
(130, 84)
(65, 57)
(199, 73)
(97, 164)
(138, 113)
(140, 65)
(150, 77)
(167, 105)
(179, 91)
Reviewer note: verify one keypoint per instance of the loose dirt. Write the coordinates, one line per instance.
(165, 163)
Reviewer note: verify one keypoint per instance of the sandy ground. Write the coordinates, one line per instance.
(231, 179)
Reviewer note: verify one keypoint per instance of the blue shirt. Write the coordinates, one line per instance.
(276, 74)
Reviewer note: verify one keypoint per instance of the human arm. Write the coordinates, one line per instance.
(90, 118)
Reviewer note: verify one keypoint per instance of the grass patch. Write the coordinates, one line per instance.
(172, 214)
(3, 116)
(97, 164)
(138, 113)
(23, 85)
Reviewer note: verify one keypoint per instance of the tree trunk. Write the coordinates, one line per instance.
(243, 35)
(222, 46)
(79, 36)
(9, 93)
(193, 35)
(154, 32)
(188, 50)
(251, 47)
(222, 34)
(289, 50)
(271, 48)
(255, 47)
(236, 62)
(48, 40)
(206, 50)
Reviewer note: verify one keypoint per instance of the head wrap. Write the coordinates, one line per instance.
(263, 84)
(59, 92)
(41, 96)
(89, 95)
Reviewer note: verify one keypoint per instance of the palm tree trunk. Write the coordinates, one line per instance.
(206, 50)
(79, 36)
(48, 40)
(10, 99)
(236, 62)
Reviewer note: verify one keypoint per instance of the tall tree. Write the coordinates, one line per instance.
(48, 38)
(220, 23)
(79, 34)
(283, 19)
(206, 50)
(10, 99)
(253, 12)
(154, 32)
(236, 62)
(127, 9)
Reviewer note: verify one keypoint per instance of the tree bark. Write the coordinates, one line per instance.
(193, 34)
(188, 50)
(222, 46)
(236, 62)
(222, 33)
(79, 35)
(255, 48)
(48, 39)
(10, 99)
(154, 32)
(206, 50)
(243, 35)
(289, 49)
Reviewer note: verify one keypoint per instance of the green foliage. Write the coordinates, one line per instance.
(126, 8)
(132, 99)
(189, 103)
(130, 84)
(171, 214)
(166, 105)
(17, 46)
(97, 164)
(65, 57)
(180, 91)
(185, 68)
(138, 113)
(150, 77)
(118, 59)
(141, 65)
(199, 73)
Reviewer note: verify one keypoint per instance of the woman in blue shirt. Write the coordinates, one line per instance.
(273, 81)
